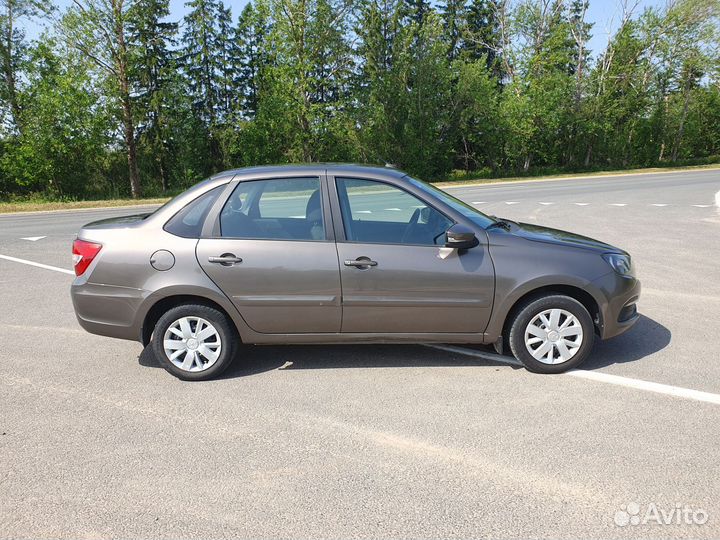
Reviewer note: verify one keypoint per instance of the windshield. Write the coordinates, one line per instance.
(465, 209)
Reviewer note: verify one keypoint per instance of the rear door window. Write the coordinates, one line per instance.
(275, 209)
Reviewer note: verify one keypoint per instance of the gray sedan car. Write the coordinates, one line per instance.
(343, 254)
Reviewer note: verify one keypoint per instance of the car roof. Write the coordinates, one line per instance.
(311, 168)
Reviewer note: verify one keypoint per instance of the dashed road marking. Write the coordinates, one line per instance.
(33, 238)
(702, 205)
(628, 382)
(511, 202)
(547, 203)
(39, 265)
(582, 203)
(659, 204)
(479, 202)
(618, 204)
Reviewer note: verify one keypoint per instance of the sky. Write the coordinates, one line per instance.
(605, 15)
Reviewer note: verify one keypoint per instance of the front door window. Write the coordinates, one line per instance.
(378, 213)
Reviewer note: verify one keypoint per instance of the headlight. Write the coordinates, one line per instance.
(622, 264)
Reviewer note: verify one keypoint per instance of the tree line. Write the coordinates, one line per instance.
(116, 99)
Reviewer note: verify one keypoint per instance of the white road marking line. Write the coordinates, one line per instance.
(546, 203)
(33, 238)
(511, 202)
(702, 205)
(582, 203)
(39, 265)
(479, 202)
(364, 212)
(659, 204)
(394, 209)
(618, 204)
(638, 384)
(478, 354)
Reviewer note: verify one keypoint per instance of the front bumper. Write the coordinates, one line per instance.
(618, 313)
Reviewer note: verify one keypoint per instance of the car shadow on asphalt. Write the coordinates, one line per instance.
(252, 360)
(644, 339)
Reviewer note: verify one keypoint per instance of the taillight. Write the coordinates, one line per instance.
(83, 253)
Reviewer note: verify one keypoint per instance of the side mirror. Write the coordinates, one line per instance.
(460, 237)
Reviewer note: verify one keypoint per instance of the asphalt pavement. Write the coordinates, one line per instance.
(377, 441)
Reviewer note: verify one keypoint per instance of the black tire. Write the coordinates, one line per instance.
(225, 330)
(531, 310)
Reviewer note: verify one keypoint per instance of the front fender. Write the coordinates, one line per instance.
(524, 266)
(506, 300)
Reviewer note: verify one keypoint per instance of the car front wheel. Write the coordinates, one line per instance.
(194, 342)
(552, 334)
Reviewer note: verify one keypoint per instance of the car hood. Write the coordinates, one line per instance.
(537, 233)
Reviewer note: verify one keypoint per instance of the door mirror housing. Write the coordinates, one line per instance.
(460, 237)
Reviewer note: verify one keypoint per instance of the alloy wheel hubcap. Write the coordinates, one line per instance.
(192, 344)
(553, 336)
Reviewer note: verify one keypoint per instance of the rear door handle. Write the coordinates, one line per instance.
(226, 259)
(361, 263)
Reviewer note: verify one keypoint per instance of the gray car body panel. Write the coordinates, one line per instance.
(300, 291)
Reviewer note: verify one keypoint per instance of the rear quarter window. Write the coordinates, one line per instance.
(189, 221)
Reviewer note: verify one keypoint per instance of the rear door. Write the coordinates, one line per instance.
(274, 255)
(397, 276)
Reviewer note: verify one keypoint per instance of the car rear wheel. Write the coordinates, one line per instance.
(194, 342)
(552, 334)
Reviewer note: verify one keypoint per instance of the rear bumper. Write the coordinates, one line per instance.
(107, 310)
(619, 312)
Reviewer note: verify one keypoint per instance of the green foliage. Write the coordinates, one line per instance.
(476, 100)
(118, 91)
(63, 137)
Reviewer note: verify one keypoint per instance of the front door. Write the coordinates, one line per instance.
(397, 276)
(274, 259)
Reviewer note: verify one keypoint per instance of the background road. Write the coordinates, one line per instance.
(368, 441)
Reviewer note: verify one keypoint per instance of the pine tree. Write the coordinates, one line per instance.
(417, 11)
(250, 57)
(203, 56)
(200, 59)
(225, 51)
(152, 67)
(454, 19)
(377, 88)
(12, 52)
(481, 37)
(580, 31)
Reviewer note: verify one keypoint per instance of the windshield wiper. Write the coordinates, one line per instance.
(499, 222)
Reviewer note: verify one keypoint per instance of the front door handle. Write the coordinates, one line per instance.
(226, 259)
(361, 262)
